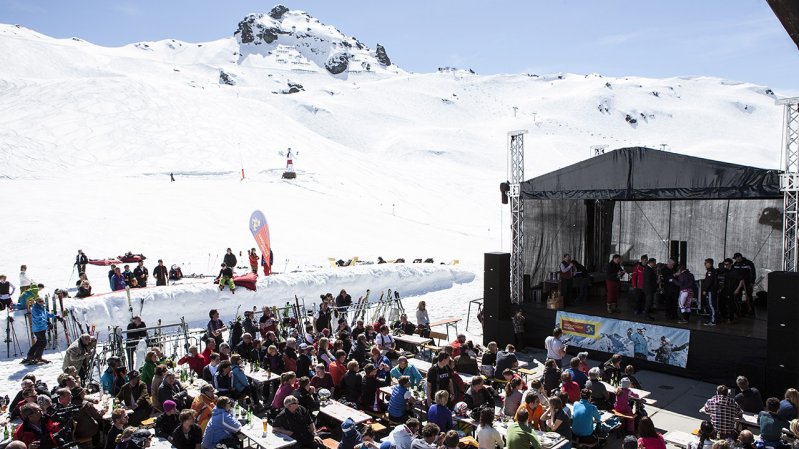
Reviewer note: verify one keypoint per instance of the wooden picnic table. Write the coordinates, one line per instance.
(412, 339)
(642, 394)
(255, 436)
(421, 365)
(261, 375)
(451, 321)
(341, 412)
(678, 438)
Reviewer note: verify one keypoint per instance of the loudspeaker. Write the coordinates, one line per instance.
(782, 352)
(497, 331)
(779, 380)
(496, 286)
(683, 254)
(527, 290)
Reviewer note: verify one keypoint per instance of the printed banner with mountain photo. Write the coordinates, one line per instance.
(629, 338)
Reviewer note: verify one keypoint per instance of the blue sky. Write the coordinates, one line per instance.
(735, 39)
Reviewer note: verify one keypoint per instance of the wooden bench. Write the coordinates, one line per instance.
(438, 336)
(330, 443)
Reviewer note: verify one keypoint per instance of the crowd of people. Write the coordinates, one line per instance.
(723, 294)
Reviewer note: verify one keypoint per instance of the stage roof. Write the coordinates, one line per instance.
(645, 174)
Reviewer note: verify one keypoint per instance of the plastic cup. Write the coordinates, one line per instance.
(266, 425)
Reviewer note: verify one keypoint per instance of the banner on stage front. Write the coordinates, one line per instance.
(660, 344)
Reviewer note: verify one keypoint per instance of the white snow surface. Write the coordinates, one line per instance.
(389, 163)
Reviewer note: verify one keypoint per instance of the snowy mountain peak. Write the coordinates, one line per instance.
(302, 42)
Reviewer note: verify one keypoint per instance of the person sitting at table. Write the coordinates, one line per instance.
(147, 370)
(583, 356)
(509, 375)
(88, 421)
(556, 419)
(648, 437)
(401, 400)
(133, 395)
(297, 422)
(167, 422)
(204, 405)
(402, 435)
(240, 385)
(722, 408)
(622, 404)
(487, 436)
(439, 377)
(466, 361)
(458, 385)
(405, 326)
(789, 405)
(287, 385)
(537, 387)
(370, 397)
(120, 379)
(378, 323)
(306, 394)
(531, 404)
(451, 440)
(381, 363)
(209, 370)
(351, 384)
(195, 361)
(569, 387)
(771, 424)
(704, 440)
(489, 359)
(506, 359)
(169, 389)
(521, 434)
(223, 381)
(404, 368)
(158, 379)
(322, 379)
(551, 376)
(513, 397)
(478, 394)
(457, 343)
(358, 329)
(386, 343)
(338, 368)
(629, 372)
(247, 348)
(359, 350)
(187, 435)
(584, 415)
(350, 437)
(429, 437)
(611, 370)
(36, 427)
(600, 396)
(749, 399)
(273, 360)
(574, 372)
(119, 419)
(223, 426)
(439, 414)
(746, 440)
(304, 360)
(28, 397)
(290, 356)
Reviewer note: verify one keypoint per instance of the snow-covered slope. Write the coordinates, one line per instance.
(389, 163)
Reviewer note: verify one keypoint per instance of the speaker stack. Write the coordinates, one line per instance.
(497, 324)
(782, 354)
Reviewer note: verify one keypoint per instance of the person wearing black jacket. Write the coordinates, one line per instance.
(710, 288)
(613, 283)
(343, 302)
(169, 389)
(670, 290)
(305, 394)
(746, 271)
(188, 435)
(134, 336)
(477, 394)
(160, 273)
(650, 287)
(80, 261)
(141, 274)
(359, 350)
(230, 259)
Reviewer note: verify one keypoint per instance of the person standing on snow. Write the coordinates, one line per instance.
(141, 274)
(40, 321)
(160, 272)
(230, 259)
(80, 261)
(253, 256)
(6, 290)
(118, 280)
(128, 275)
(24, 280)
(111, 276)
(226, 277)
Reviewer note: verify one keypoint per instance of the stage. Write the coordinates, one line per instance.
(716, 354)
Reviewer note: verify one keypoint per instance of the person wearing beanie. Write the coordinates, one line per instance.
(350, 437)
(168, 421)
(622, 405)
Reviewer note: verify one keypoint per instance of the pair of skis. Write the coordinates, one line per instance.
(360, 308)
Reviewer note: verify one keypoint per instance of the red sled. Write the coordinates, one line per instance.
(104, 262)
(247, 281)
(132, 258)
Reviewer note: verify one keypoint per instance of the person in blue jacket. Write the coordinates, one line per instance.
(404, 368)
(107, 379)
(640, 345)
(240, 385)
(40, 321)
(222, 427)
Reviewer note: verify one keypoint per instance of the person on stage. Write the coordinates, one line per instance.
(613, 283)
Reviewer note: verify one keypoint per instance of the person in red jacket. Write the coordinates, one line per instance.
(253, 256)
(637, 284)
(195, 361)
(210, 348)
(36, 427)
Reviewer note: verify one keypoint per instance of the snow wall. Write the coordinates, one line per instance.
(193, 300)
